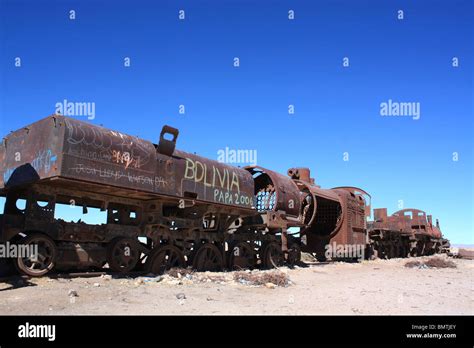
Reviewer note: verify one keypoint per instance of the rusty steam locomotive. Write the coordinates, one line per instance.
(167, 208)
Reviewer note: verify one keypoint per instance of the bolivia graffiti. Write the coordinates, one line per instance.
(198, 172)
(225, 182)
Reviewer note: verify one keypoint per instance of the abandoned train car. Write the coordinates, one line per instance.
(164, 207)
(407, 232)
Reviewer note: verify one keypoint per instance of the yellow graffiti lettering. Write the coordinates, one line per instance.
(208, 184)
(221, 178)
(190, 171)
(198, 178)
(197, 171)
(235, 181)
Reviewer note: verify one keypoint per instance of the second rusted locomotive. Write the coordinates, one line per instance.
(407, 232)
(165, 208)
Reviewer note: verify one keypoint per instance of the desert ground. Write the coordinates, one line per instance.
(365, 288)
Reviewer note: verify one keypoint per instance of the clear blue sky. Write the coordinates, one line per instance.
(282, 62)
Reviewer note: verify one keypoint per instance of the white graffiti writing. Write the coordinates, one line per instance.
(117, 175)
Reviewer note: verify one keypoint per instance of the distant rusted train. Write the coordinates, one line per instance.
(168, 208)
(408, 232)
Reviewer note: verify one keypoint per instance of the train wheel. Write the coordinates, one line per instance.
(294, 254)
(164, 258)
(45, 260)
(242, 256)
(208, 258)
(272, 255)
(123, 254)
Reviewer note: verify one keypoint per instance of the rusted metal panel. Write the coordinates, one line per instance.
(380, 215)
(325, 193)
(354, 226)
(363, 198)
(340, 219)
(67, 148)
(31, 153)
(100, 155)
(330, 213)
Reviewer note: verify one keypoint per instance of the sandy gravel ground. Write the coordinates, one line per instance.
(370, 287)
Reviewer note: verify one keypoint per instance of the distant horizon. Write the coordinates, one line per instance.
(463, 245)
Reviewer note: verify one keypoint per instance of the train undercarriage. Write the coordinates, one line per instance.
(154, 236)
(392, 244)
(147, 236)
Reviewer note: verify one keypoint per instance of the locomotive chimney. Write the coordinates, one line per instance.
(303, 174)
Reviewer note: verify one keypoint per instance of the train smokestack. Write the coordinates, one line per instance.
(303, 174)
